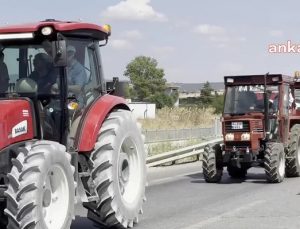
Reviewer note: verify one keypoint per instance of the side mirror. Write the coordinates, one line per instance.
(59, 50)
(112, 87)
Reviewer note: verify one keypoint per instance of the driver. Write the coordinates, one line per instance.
(273, 100)
(76, 75)
(43, 74)
(4, 77)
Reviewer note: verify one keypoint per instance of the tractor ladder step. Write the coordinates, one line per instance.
(84, 174)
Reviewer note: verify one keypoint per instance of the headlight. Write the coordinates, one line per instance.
(229, 137)
(245, 137)
(46, 31)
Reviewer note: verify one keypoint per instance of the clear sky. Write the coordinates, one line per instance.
(193, 40)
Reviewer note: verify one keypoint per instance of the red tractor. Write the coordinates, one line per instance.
(261, 127)
(63, 137)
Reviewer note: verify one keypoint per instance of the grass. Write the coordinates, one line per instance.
(180, 118)
(158, 148)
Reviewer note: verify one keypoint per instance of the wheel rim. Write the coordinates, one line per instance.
(129, 171)
(281, 169)
(55, 200)
(298, 152)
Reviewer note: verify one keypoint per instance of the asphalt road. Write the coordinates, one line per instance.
(179, 198)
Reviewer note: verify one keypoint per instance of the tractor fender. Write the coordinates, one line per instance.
(94, 118)
(17, 121)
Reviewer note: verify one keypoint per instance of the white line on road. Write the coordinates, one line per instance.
(228, 214)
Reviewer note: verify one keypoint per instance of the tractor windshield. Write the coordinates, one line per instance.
(245, 99)
(26, 68)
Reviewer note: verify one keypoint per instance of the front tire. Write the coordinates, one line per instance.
(119, 170)
(293, 156)
(41, 188)
(274, 162)
(212, 163)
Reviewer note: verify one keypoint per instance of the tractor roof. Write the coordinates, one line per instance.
(271, 79)
(65, 27)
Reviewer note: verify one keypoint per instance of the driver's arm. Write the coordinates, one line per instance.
(78, 81)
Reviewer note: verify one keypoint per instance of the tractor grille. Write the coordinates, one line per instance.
(230, 127)
(239, 145)
(257, 126)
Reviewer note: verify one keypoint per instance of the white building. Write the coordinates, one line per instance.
(142, 110)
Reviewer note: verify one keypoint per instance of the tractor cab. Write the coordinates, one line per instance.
(57, 66)
(256, 107)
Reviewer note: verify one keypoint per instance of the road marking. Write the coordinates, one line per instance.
(228, 214)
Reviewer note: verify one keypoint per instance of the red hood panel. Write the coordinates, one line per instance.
(16, 122)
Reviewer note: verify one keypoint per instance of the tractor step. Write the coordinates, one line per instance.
(84, 174)
(93, 198)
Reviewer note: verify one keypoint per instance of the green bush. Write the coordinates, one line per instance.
(218, 104)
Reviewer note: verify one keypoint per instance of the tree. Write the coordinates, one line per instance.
(206, 96)
(161, 100)
(148, 81)
(218, 104)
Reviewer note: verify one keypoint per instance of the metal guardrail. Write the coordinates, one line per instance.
(161, 135)
(180, 153)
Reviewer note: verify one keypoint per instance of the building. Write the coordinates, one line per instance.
(143, 110)
(193, 90)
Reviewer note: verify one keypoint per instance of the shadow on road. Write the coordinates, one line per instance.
(256, 178)
(83, 222)
(197, 178)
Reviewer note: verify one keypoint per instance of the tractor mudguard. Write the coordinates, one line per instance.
(94, 118)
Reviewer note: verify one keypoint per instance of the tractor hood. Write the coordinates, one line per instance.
(16, 122)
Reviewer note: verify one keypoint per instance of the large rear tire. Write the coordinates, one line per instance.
(41, 188)
(119, 170)
(212, 163)
(293, 156)
(274, 162)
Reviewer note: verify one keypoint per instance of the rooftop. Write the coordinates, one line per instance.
(196, 87)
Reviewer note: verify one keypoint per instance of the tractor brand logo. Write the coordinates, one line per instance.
(19, 129)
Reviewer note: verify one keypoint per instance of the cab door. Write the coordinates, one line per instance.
(87, 56)
(284, 114)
